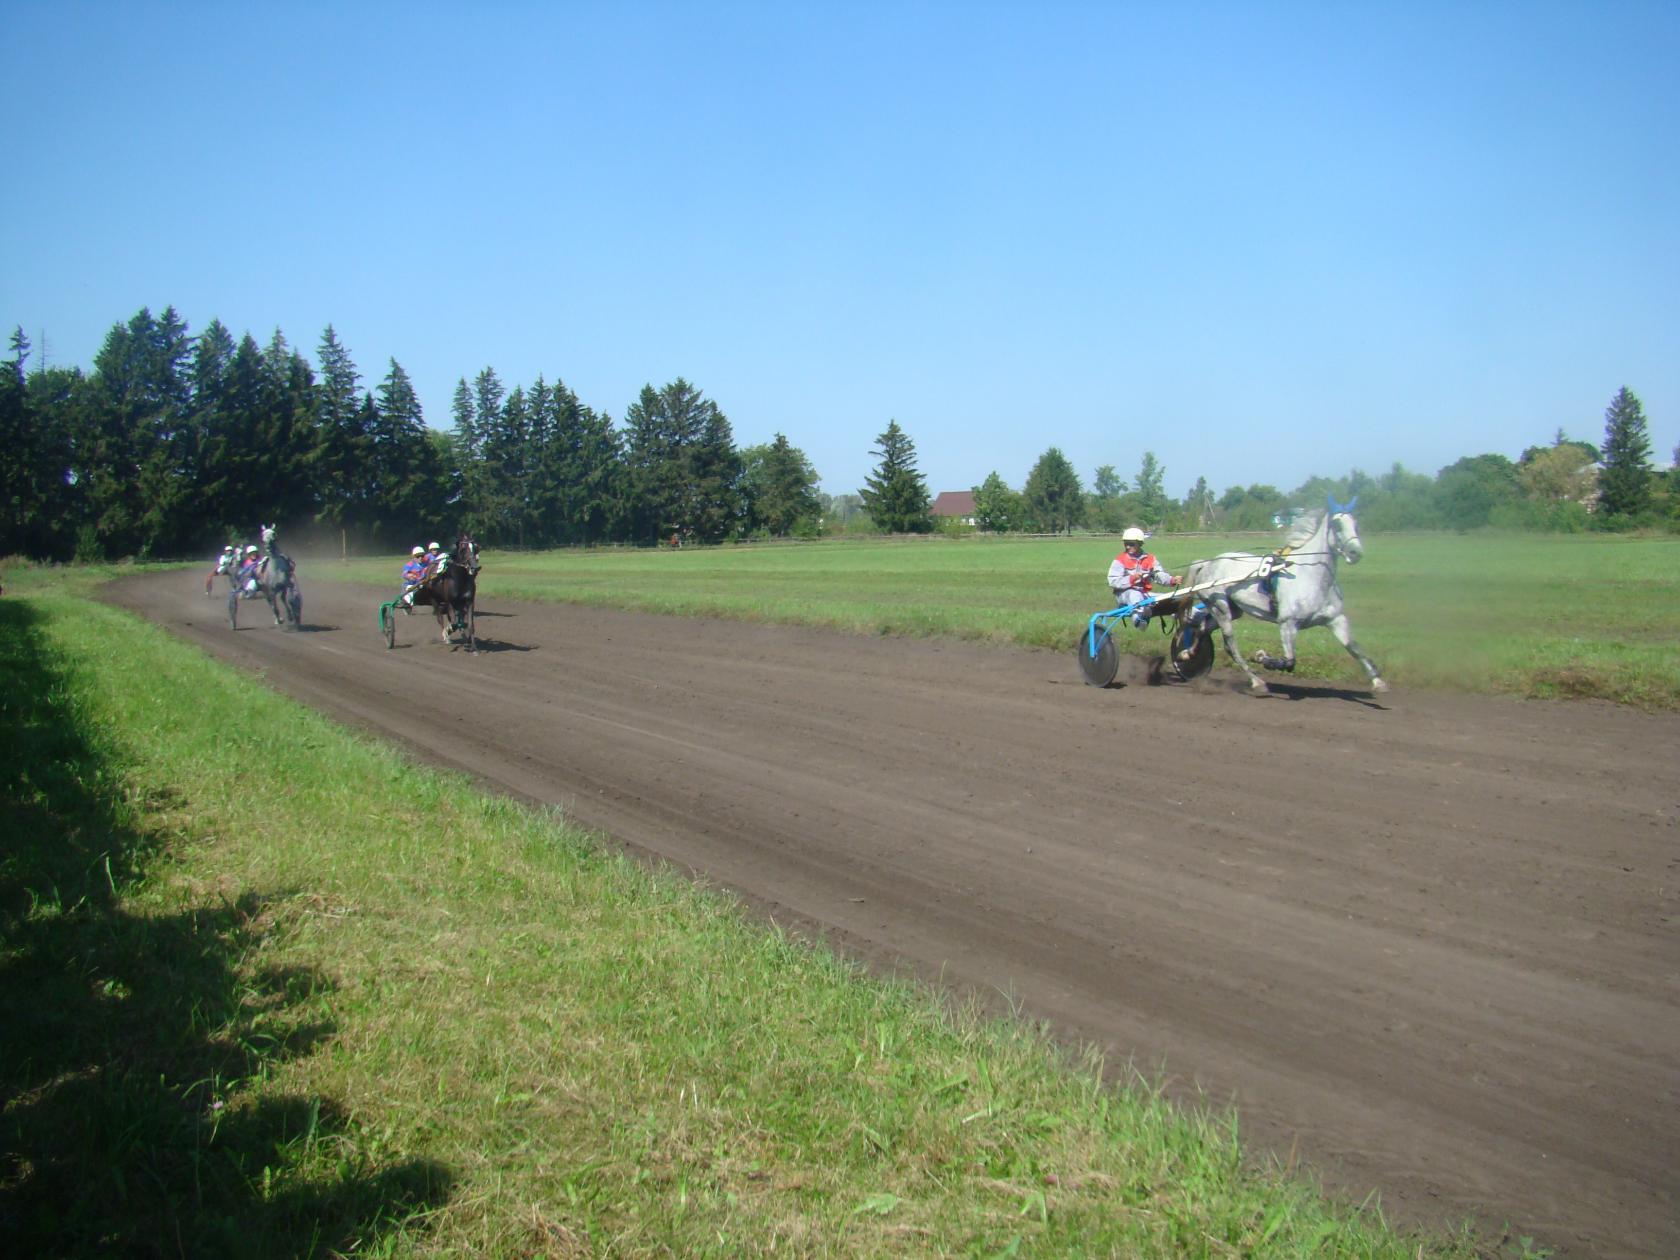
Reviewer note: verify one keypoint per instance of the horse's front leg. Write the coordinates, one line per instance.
(1287, 630)
(1222, 618)
(1344, 635)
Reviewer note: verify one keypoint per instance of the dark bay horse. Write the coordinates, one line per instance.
(451, 590)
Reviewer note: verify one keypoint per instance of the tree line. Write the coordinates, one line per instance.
(176, 442)
(1564, 485)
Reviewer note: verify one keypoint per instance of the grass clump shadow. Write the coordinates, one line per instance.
(131, 1041)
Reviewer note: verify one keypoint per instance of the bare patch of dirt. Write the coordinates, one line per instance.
(1431, 941)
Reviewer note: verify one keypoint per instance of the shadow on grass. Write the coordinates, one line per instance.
(133, 1046)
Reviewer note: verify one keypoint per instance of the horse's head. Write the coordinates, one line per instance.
(1344, 530)
(466, 553)
(268, 535)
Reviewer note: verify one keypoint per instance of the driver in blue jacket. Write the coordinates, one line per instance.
(412, 574)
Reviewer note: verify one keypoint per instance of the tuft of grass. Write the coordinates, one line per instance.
(271, 988)
(1480, 612)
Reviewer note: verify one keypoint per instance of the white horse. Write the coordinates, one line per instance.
(1303, 590)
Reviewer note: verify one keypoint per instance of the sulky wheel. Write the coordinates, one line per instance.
(1200, 659)
(388, 623)
(233, 609)
(1098, 670)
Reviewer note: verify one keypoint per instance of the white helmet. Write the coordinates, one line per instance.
(1134, 534)
(251, 550)
(227, 549)
(418, 551)
(435, 547)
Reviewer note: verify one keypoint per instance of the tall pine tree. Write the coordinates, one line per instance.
(895, 494)
(1624, 485)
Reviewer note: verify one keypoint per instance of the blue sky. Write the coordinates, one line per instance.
(1262, 240)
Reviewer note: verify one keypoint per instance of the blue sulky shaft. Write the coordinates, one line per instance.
(1108, 617)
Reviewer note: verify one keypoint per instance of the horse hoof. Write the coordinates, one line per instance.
(1259, 688)
(1378, 686)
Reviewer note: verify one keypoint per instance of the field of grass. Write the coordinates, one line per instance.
(268, 988)
(1533, 615)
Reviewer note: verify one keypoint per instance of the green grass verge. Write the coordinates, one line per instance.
(271, 989)
(1532, 615)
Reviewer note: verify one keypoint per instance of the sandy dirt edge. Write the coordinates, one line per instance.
(1431, 943)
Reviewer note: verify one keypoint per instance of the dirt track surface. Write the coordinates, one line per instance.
(1431, 944)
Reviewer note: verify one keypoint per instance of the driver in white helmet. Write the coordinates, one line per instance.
(250, 565)
(1134, 574)
(224, 564)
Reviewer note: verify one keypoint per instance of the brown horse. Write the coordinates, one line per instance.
(451, 590)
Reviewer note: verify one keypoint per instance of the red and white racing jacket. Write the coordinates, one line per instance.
(1136, 573)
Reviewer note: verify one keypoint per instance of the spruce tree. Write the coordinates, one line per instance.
(781, 489)
(684, 470)
(896, 495)
(1624, 485)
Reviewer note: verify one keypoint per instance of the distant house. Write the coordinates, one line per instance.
(957, 503)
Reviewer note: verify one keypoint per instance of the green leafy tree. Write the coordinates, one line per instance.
(1468, 491)
(1106, 508)
(842, 511)
(1564, 472)
(1251, 507)
(1054, 498)
(1624, 485)
(1198, 505)
(997, 508)
(1107, 484)
(896, 494)
(1149, 497)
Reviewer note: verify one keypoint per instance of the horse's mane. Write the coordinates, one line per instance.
(1304, 527)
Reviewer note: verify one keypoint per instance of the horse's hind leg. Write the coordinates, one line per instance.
(1344, 635)
(1222, 618)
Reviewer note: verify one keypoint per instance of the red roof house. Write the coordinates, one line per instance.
(958, 503)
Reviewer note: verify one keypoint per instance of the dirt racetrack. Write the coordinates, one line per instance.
(1431, 944)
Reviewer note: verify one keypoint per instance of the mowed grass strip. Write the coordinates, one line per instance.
(271, 989)
(1534, 615)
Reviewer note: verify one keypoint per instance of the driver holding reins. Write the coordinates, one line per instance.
(1134, 573)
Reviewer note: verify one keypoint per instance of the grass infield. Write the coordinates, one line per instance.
(272, 989)
(1559, 616)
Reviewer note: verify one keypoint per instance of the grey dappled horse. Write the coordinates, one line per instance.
(1307, 593)
(278, 580)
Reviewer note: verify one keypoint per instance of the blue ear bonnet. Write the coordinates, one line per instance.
(1341, 507)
